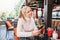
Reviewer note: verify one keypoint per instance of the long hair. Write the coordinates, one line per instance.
(22, 12)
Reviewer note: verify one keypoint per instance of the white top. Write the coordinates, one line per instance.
(24, 29)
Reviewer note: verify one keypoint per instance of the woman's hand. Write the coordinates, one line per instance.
(36, 32)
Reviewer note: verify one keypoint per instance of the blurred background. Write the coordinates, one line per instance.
(45, 12)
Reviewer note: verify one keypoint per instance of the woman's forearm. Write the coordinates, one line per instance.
(24, 34)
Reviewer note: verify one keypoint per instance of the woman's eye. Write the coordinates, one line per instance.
(29, 11)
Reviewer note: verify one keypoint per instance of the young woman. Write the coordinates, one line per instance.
(26, 27)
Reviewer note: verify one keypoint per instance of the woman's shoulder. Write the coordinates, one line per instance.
(20, 19)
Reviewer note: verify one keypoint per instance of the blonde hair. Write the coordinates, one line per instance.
(22, 12)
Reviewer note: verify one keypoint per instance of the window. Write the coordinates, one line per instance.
(10, 8)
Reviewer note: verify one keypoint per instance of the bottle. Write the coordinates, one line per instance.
(49, 32)
(55, 35)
